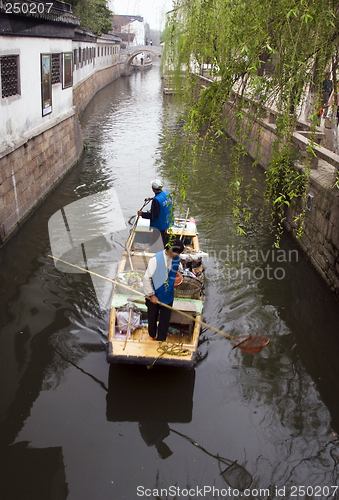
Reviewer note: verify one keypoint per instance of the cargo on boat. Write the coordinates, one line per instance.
(128, 327)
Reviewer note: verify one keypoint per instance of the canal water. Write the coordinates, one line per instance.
(238, 425)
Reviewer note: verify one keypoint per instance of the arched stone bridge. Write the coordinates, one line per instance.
(127, 55)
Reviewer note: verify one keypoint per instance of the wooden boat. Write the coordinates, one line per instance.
(183, 336)
(142, 62)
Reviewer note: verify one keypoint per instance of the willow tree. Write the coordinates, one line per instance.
(273, 53)
(94, 15)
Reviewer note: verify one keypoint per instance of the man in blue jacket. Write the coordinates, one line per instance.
(161, 214)
(159, 286)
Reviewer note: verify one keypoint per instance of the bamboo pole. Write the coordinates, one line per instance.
(210, 327)
(130, 238)
(202, 323)
(128, 327)
(183, 229)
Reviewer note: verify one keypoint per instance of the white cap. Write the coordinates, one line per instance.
(157, 184)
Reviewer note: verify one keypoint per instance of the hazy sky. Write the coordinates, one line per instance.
(153, 11)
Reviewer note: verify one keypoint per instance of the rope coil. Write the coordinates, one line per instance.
(170, 348)
(173, 349)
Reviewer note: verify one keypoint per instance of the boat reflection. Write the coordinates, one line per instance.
(154, 398)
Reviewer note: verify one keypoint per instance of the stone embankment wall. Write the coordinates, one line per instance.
(320, 239)
(31, 170)
(85, 90)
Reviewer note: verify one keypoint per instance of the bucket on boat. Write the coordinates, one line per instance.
(189, 288)
(178, 279)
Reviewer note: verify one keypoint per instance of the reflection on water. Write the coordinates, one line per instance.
(89, 234)
(47, 464)
(110, 429)
(136, 394)
(153, 398)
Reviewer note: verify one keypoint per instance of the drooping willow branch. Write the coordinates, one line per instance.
(239, 38)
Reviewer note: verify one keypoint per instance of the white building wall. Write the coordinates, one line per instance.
(138, 29)
(21, 114)
(106, 54)
(112, 53)
(83, 69)
(139, 33)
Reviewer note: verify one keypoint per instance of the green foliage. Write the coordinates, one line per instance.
(284, 183)
(93, 14)
(270, 52)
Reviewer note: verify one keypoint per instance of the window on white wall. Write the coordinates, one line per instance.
(9, 75)
(67, 73)
(56, 65)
